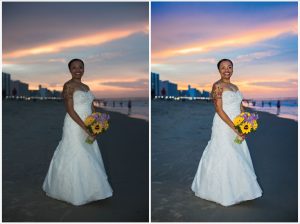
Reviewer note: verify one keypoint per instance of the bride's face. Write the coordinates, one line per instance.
(77, 69)
(226, 70)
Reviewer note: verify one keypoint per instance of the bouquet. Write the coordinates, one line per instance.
(96, 123)
(245, 123)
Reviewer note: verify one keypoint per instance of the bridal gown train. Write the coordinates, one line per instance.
(225, 173)
(76, 173)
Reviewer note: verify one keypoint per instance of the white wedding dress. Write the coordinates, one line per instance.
(225, 173)
(76, 173)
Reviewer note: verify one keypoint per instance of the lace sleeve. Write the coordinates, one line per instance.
(216, 92)
(68, 91)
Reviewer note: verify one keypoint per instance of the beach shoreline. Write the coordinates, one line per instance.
(180, 132)
(293, 116)
(31, 133)
(135, 116)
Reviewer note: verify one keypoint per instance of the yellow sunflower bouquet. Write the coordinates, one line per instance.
(96, 123)
(245, 123)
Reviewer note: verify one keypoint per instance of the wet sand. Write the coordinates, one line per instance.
(180, 132)
(31, 132)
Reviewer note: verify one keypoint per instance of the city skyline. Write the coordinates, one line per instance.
(207, 92)
(162, 88)
(188, 39)
(112, 39)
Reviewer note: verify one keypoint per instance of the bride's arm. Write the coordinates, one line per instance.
(242, 108)
(217, 91)
(68, 91)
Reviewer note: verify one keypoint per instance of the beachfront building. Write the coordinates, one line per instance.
(19, 89)
(205, 94)
(44, 92)
(34, 93)
(193, 92)
(56, 94)
(154, 84)
(6, 90)
(182, 93)
(169, 88)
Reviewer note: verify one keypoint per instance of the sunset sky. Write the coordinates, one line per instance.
(188, 39)
(112, 39)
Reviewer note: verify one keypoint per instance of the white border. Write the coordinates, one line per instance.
(150, 117)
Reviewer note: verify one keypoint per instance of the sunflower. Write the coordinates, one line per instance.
(89, 120)
(254, 125)
(238, 120)
(245, 127)
(96, 128)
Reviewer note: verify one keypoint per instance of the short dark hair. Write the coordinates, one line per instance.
(224, 59)
(75, 59)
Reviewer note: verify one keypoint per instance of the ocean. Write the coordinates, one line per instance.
(139, 107)
(288, 108)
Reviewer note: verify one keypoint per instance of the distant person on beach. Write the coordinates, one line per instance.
(270, 104)
(253, 103)
(76, 173)
(262, 103)
(225, 173)
(278, 107)
(129, 107)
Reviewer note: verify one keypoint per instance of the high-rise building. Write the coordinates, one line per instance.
(43, 91)
(193, 92)
(169, 88)
(19, 88)
(155, 84)
(6, 90)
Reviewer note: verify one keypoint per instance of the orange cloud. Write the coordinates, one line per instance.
(95, 85)
(257, 88)
(90, 40)
(241, 39)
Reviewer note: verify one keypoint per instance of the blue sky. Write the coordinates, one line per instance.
(188, 39)
(112, 38)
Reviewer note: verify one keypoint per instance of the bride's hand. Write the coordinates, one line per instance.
(90, 134)
(243, 136)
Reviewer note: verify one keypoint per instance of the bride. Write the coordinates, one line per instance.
(225, 173)
(76, 173)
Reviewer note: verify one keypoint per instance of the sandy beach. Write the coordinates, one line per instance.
(180, 132)
(31, 132)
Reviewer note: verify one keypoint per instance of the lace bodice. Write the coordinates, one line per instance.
(82, 98)
(231, 102)
(82, 102)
